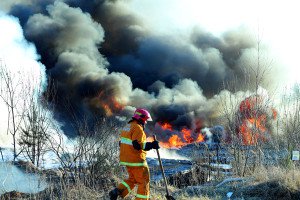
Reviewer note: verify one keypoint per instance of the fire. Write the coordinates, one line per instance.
(252, 130)
(116, 104)
(187, 135)
(175, 141)
(166, 126)
(107, 109)
(109, 104)
(253, 120)
(200, 138)
(180, 138)
(111, 107)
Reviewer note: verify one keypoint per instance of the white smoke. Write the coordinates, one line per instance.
(13, 179)
(208, 134)
(166, 154)
(19, 59)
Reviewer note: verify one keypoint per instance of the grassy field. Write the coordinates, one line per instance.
(264, 183)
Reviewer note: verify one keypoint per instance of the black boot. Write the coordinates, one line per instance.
(114, 194)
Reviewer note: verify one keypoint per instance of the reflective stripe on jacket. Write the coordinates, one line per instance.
(129, 156)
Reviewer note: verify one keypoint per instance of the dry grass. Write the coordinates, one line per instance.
(79, 192)
(265, 182)
(158, 193)
(287, 177)
(186, 196)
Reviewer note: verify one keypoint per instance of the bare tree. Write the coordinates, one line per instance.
(12, 93)
(290, 125)
(92, 155)
(244, 113)
(36, 123)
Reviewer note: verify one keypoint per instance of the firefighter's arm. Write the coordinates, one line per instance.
(137, 141)
(137, 136)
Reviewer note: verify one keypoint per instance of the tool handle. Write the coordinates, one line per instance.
(161, 168)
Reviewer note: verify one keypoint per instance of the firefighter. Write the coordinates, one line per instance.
(133, 147)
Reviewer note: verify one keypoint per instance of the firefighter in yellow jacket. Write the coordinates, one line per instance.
(133, 147)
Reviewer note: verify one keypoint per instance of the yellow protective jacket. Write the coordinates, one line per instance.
(129, 156)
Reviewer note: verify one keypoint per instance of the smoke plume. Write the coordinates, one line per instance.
(105, 61)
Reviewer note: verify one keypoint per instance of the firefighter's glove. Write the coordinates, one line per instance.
(148, 146)
(151, 145)
(136, 145)
(155, 145)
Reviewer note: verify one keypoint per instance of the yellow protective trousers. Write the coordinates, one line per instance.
(137, 176)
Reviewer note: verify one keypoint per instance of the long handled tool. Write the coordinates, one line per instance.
(168, 196)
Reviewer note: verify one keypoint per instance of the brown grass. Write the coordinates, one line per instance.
(81, 192)
(287, 177)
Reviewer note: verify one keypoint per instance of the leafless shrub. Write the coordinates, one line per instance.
(35, 129)
(13, 94)
(290, 123)
(92, 157)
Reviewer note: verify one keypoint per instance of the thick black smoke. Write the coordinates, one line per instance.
(68, 40)
(206, 59)
(103, 60)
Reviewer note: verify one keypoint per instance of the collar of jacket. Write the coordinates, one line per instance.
(138, 122)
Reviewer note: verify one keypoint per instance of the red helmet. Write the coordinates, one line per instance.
(142, 114)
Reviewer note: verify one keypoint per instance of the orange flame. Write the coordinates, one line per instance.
(253, 127)
(110, 104)
(112, 107)
(166, 126)
(117, 105)
(175, 141)
(187, 135)
(200, 138)
(252, 130)
(107, 109)
(180, 138)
